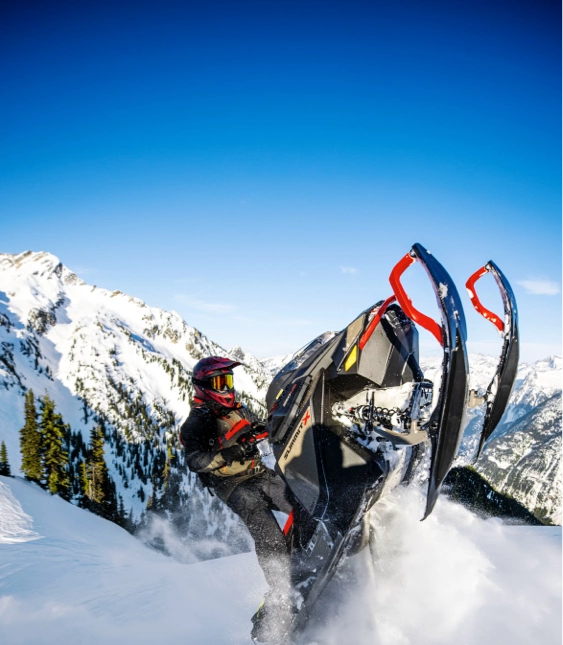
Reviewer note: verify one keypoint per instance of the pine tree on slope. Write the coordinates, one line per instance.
(30, 441)
(99, 489)
(4, 464)
(54, 455)
(96, 472)
(82, 484)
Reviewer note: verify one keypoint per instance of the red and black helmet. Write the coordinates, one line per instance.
(213, 380)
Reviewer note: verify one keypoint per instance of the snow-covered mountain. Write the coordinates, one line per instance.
(68, 575)
(482, 369)
(525, 460)
(105, 356)
(522, 458)
(274, 364)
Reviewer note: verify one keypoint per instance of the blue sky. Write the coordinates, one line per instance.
(260, 167)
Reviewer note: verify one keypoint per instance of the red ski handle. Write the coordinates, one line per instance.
(406, 304)
(488, 315)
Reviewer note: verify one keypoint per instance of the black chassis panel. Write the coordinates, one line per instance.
(328, 472)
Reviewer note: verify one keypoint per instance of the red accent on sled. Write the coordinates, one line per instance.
(375, 321)
(488, 315)
(288, 524)
(406, 304)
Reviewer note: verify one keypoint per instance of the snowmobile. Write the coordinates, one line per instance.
(352, 416)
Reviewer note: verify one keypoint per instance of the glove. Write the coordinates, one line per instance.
(258, 427)
(248, 442)
(236, 452)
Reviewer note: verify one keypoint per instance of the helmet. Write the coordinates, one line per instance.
(211, 380)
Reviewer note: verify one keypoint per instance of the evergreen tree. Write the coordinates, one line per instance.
(124, 518)
(101, 497)
(4, 464)
(30, 441)
(82, 482)
(110, 508)
(96, 469)
(54, 435)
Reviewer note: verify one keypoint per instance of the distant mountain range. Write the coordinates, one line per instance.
(107, 357)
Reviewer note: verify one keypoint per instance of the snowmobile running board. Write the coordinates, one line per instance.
(500, 387)
(351, 415)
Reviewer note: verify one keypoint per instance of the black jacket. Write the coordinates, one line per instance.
(199, 435)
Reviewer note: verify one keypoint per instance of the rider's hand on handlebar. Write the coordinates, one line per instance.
(258, 427)
(238, 452)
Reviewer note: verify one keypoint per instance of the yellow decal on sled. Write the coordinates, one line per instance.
(351, 358)
(279, 394)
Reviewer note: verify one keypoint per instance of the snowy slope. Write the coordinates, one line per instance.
(69, 576)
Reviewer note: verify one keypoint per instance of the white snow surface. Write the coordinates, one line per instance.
(454, 578)
(86, 580)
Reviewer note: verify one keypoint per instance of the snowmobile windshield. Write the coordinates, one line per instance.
(307, 351)
(222, 382)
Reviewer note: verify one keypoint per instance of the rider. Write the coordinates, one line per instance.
(236, 473)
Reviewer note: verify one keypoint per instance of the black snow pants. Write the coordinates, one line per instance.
(254, 500)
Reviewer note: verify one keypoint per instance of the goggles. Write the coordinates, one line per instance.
(222, 382)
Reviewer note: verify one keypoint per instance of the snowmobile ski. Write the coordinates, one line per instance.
(446, 424)
(499, 389)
